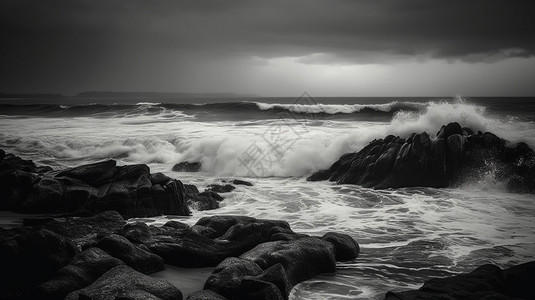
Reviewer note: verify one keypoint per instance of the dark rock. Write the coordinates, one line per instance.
(206, 295)
(2, 154)
(301, 259)
(29, 257)
(135, 257)
(45, 196)
(159, 178)
(454, 155)
(12, 162)
(237, 278)
(206, 200)
(518, 280)
(95, 174)
(241, 182)
(190, 190)
(258, 289)
(228, 275)
(186, 166)
(221, 224)
(123, 282)
(218, 188)
(486, 282)
(178, 225)
(450, 129)
(130, 190)
(83, 270)
(86, 231)
(14, 188)
(208, 242)
(346, 248)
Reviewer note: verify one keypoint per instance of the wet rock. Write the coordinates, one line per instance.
(187, 166)
(190, 190)
(28, 257)
(83, 270)
(95, 174)
(133, 256)
(14, 188)
(86, 232)
(11, 162)
(453, 156)
(485, 282)
(518, 280)
(301, 259)
(241, 182)
(450, 129)
(206, 200)
(218, 188)
(159, 178)
(228, 275)
(208, 242)
(123, 282)
(46, 196)
(206, 295)
(346, 248)
(131, 190)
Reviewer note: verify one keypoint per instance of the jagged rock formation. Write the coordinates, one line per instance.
(420, 160)
(131, 190)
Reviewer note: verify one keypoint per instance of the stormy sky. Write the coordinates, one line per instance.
(270, 47)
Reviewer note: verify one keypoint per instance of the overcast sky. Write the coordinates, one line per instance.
(270, 48)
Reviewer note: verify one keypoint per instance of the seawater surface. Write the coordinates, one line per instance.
(406, 235)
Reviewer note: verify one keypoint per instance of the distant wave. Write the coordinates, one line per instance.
(343, 108)
(221, 111)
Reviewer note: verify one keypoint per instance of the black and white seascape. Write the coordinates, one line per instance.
(267, 150)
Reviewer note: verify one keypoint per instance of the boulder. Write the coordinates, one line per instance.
(346, 248)
(187, 166)
(485, 282)
(301, 259)
(241, 182)
(83, 270)
(86, 232)
(228, 275)
(95, 174)
(206, 200)
(206, 295)
(218, 188)
(123, 282)
(28, 257)
(133, 256)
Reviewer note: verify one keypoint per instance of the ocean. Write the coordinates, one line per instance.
(406, 235)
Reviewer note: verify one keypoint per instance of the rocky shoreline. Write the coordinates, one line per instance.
(90, 251)
(104, 257)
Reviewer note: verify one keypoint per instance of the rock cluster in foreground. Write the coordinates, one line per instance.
(130, 190)
(104, 257)
(486, 282)
(455, 153)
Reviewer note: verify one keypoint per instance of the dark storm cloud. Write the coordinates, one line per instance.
(105, 40)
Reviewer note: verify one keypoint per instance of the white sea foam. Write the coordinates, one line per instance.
(340, 108)
(167, 137)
